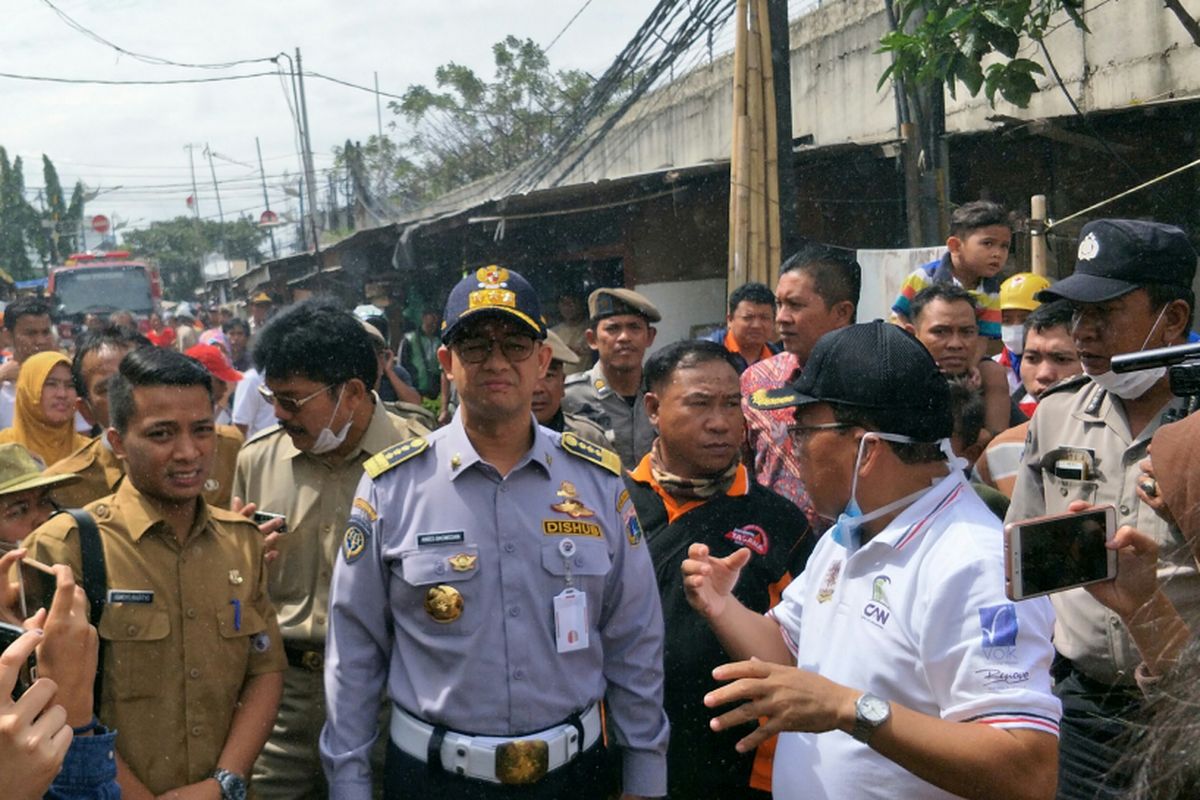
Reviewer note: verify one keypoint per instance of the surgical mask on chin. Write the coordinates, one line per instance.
(845, 531)
(1013, 337)
(1132, 385)
(327, 440)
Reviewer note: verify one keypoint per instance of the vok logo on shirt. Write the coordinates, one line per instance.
(998, 630)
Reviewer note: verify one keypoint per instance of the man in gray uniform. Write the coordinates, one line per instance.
(610, 393)
(493, 579)
(1131, 290)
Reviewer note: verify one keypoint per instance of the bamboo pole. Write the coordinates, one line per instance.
(757, 168)
(774, 238)
(742, 221)
(737, 161)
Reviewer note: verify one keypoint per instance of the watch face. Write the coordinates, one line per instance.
(873, 709)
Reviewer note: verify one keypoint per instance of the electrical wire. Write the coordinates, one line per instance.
(166, 82)
(570, 22)
(82, 29)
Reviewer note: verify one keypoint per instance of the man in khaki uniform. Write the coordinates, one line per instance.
(97, 356)
(1131, 291)
(192, 668)
(318, 364)
(610, 393)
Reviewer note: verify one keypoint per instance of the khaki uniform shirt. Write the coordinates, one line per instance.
(575, 335)
(100, 471)
(628, 430)
(1081, 415)
(314, 493)
(195, 625)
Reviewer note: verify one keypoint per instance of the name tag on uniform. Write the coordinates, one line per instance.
(445, 537)
(570, 620)
(128, 596)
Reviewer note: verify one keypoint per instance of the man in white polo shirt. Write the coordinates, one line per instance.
(895, 659)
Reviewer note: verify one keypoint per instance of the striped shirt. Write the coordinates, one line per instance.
(986, 294)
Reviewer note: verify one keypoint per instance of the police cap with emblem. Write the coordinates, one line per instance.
(1117, 256)
(878, 368)
(609, 302)
(492, 291)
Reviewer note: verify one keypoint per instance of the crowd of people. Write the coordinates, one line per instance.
(487, 557)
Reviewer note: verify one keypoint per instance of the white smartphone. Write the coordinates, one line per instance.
(1054, 553)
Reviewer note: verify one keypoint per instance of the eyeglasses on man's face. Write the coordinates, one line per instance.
(290, 404)
(802, 432)
(477, 349)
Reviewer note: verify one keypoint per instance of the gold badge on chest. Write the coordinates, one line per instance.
(443, 603)
(571, 505)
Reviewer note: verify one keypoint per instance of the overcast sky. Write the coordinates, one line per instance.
(134, 137)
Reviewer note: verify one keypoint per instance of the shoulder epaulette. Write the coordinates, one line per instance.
(264, 433)
(577, 377)
(381, 462)
(1065, 385)
(591, 452)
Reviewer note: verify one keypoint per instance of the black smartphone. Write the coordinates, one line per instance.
(28, 673)
(262, 517)
(1054, 553)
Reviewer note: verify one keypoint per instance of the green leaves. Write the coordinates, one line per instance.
(467, 127)
(946, 41)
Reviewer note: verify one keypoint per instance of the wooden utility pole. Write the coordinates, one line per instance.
(1037, 234)
(785, 172)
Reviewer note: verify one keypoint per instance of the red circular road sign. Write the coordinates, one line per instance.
(268, 217)
(100, 224)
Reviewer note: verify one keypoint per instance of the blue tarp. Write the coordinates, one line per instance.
(36, 283)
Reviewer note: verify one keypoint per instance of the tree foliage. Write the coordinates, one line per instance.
(51, 234)
(467, 127)
(947, 41)
(178, 246)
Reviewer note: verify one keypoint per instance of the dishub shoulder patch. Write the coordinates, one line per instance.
(591, 452)
(381, 462)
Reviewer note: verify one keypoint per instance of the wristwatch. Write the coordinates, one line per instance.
(233, 786)
(870, 712)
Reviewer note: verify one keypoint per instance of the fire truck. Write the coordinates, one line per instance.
(101, 283)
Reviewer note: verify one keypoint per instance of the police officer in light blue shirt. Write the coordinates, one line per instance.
(493, 579)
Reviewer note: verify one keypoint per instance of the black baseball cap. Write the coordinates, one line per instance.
(878, 368)
(492, 290)
(1116, 256)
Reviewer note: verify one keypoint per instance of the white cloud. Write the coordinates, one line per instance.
(134, 136)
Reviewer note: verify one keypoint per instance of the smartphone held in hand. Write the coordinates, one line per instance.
(1050, 554)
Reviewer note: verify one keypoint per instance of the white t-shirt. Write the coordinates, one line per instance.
(918, 617)
(249, 408)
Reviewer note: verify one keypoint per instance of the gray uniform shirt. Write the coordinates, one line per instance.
(628, 429)
(443, 517)
(1083, 415)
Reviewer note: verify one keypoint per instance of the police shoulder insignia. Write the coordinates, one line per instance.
(355, 543)
(381, 462)
(591, 452)
(1066, 385)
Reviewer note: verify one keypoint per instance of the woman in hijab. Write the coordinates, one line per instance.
(44, 414)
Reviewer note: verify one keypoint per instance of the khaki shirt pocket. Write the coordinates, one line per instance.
(440, 589)
(138, 637)
(1061, 492)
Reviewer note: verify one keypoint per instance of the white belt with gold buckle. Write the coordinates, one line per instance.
(498, 759)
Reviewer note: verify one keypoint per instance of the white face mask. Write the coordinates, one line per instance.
(845, 529)
(1132, 385)
(1013, 337)
(327, 440)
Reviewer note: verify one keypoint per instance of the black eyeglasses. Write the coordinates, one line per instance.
(476, 350)
(290, 404)
(804, 431)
